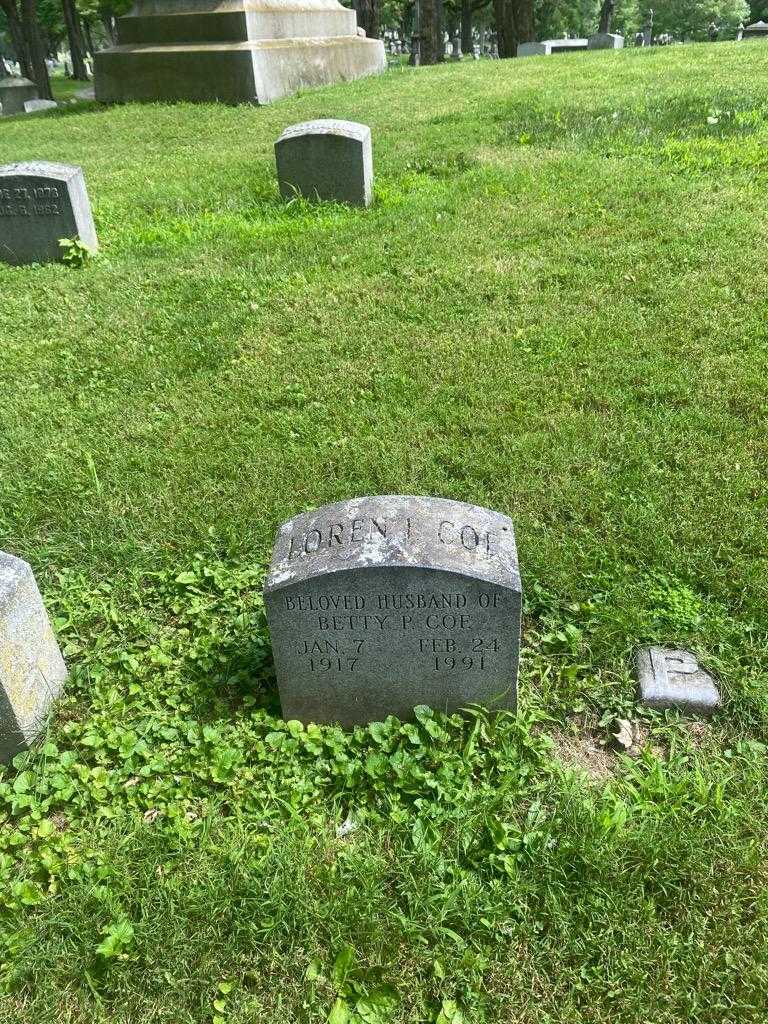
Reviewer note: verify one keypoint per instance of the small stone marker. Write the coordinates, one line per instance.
(41, 203)
(378, 604)
(32, 670)
(14, 93)
(32, 106)
(327, 160)
(672, 679)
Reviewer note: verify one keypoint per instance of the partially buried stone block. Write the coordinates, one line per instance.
(33, 106)
(32, 670)
(673, 679)
(379, 604)
(327, 160)
(41, 203)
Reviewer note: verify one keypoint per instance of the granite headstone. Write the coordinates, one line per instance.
(41, 203)
(378, 604)
(14, 93)
(605, 41)
(32, 670)
(327, 160)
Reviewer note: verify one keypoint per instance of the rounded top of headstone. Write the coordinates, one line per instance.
(395, 530)
(327, 126)
(40, 169)
(9, 82)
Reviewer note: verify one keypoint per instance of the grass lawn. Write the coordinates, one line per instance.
(555, 308)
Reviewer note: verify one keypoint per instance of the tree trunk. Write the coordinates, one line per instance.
(88, 37)
(108, 21)
(427, 31)
(34, 42)
(466, 26)
(524, 21)
(606, 14)
(506, 35)
(514, 24)
(76, 44)
(369, 16)
(16, 32)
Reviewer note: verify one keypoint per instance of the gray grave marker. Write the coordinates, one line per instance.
(326, 159)
(673, 679)
(14, 93)
(41, 203)
(605, 41)
(32, 670)
(378, 604)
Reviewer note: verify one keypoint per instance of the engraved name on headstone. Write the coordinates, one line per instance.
(378, 604)
(41, 203)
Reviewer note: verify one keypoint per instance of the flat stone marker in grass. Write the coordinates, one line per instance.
(669, 678)
(41, 203)
(32, 670)
(327, 160)
(14, 93)
(33, 106)
(378, 604)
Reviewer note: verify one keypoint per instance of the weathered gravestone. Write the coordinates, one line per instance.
(40, 204)
(605, 41)
(378, 604)
(669, 678)
(326, 159)
(14, 93)
(33, 106)
(32, 670)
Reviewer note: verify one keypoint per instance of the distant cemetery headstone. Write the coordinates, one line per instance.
(673, 679)
(32, 670)
(605, 41)
(14, 93)
(376, 605)
(326, 159)
(757, 30)
(549, 46)
(32, 106)
(41, 203)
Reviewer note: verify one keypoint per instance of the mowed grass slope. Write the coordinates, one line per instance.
(556, 308)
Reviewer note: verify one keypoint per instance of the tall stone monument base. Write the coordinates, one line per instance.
(233, 51)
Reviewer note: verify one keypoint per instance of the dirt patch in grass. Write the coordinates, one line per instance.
(584, 752)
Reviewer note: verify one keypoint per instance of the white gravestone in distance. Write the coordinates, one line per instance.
(379, 604)
(41, 203)
(327, 160)
(32, 670)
